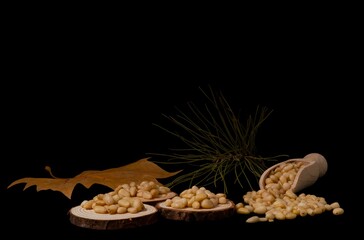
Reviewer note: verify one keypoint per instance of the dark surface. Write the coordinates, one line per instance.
(74, 135)
(78, 102)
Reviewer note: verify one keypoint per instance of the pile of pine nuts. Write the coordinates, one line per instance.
(278, 201)
(281, 178)
(126, 198)
(111, 203)
(196, 198)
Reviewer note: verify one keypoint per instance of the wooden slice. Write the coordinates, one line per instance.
(219, 212)
(85, 218)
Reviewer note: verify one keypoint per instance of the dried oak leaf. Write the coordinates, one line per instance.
(141, 170)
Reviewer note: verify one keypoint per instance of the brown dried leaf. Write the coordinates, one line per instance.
(141, 170)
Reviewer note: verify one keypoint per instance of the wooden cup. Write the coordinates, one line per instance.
(315, 167)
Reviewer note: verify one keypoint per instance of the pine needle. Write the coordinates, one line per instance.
(218, 145)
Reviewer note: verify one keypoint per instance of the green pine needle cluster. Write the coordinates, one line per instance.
(218, 147)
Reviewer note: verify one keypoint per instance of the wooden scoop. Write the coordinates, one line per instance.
(314, 168)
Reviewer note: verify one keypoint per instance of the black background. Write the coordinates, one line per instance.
(83, 94)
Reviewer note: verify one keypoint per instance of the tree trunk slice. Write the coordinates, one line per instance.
(219, 212)
(89, 219)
